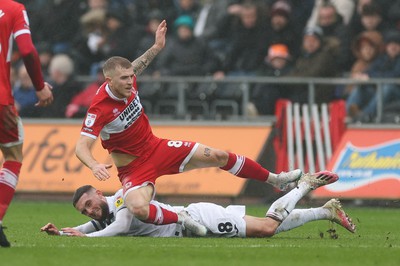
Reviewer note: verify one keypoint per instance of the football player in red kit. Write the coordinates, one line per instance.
(14, 25)
(117, 116)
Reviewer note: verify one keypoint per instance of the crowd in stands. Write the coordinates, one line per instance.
(217, 38)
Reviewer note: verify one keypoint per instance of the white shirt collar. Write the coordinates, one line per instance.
(112, 96)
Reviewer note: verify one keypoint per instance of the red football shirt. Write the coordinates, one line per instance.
(121, 123)
(13, 22)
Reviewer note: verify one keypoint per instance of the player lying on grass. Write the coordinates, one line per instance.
(112, 218)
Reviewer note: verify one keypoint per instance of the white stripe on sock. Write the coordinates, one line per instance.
(237, 167)
(9, 178)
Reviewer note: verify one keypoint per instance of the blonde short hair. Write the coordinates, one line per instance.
(113, 63)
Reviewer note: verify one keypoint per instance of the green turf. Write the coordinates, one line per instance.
(377, 242)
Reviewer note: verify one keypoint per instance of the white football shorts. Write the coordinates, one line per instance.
(220, 221)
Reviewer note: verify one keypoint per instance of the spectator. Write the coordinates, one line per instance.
(366, 47)
(210, 15)
(87, 45)
(60, 19)
(394, 14)
(185, 55)
(370, 19)
(64, 85)
(281, 30)
(25, 94)
(345, 9)
(81, 102)
(188, 7)
(300, 13)
(333, 27)
(316, 60)
(143, 8)
(45, 54)
(362, 102)
(245, 34)
(153, 20)
(276, 64)
(121, 38)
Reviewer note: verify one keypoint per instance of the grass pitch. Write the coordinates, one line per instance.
(377, 242)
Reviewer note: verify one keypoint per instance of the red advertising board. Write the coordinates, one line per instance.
(368, 164)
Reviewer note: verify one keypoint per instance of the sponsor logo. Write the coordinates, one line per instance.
(90, 118)
(360, 166)
(116, 112)
(131, 113)
(2, 13)
(118, 203)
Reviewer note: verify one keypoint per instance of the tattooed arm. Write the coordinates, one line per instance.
(145, 59)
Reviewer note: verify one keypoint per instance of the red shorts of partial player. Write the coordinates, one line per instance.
(169, 157)
(10, 136)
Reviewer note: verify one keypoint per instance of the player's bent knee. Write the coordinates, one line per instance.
(221, 157)
(140, 212)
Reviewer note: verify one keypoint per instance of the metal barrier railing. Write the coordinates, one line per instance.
(246, 81)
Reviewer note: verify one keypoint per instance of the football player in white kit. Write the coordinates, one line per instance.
(112, 218)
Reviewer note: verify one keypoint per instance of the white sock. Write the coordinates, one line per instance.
(281, 208)
(272, 178)
(298, 217)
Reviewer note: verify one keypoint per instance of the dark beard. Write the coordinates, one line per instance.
(105, 211)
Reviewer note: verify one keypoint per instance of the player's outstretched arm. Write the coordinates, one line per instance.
(142, 62)
(50, 229)
(84, 154)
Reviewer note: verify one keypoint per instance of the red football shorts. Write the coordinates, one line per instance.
(11, 133)
(169, 157)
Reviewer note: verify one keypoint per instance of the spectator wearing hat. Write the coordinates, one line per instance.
(281, 28)
(316, 60)
(185, 55)
(362, 102)
(92, 30)
(277, 63)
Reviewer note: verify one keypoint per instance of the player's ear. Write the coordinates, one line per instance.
(99, 192)
(108, 80)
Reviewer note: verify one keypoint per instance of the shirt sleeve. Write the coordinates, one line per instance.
(93, 123)
(119, 227)
(89, 227)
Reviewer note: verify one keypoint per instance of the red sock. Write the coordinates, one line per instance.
(159, 215)
(8, 182)
(246, 168)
